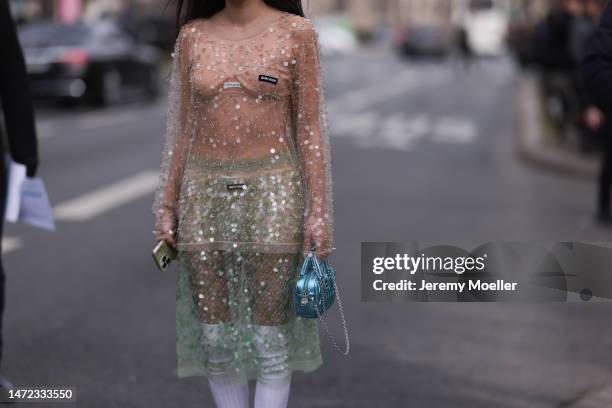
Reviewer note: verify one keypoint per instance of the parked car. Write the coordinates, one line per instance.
(93, 62)
(425, 40)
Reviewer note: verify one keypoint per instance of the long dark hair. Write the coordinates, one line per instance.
(187, 10)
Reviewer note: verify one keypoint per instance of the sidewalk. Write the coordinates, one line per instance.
(596, 398)
(535, 148)
(532, 143)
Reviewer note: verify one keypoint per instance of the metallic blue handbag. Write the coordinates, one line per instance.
(315, 292)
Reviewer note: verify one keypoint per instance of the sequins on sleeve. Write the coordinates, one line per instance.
(312, 136)
(177, 135)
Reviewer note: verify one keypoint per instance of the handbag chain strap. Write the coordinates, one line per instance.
(323, 320)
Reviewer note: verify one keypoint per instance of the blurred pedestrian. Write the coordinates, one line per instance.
(589, 118)
(245, 193)
(597, 74)
(464, 48)
(584, 27)
(553, 36)
(20, 140)
(553, 54)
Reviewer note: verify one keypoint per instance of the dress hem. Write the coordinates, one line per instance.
(303, 366)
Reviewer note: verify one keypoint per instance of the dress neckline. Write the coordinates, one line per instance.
(252, 30)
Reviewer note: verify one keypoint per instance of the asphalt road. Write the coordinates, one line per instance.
(421, 151)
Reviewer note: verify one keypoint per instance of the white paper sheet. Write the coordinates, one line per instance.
(16, 176)
(35, 209)
(26, 198)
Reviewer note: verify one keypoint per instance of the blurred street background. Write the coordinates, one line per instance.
(449, 122)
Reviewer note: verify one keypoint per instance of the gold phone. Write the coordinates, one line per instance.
(163, 254)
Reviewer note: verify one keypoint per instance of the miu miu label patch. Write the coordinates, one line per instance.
(227, 85)
(269, 79)
(236, 186)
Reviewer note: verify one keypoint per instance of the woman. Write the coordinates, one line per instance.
(245, 192)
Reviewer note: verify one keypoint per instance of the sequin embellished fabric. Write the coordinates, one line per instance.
(245, 173)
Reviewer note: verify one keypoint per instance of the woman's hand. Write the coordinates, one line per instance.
(594, 118)
(166, 231)
(316, 234)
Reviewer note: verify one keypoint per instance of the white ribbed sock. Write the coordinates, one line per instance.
(228, 390)
(228, 393)
(274, 377)
(272, 394)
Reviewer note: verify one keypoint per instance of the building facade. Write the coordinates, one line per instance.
(70, 10)
(366, 15)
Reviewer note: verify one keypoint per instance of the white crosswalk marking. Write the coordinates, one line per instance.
(354, 116)
(357, 126)
(401, 132)
(97, 202)
(383, 90)
(454, 130)
(107, 198)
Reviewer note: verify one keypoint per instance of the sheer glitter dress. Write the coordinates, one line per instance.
(246, 165)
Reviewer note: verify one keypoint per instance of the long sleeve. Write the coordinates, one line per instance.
(15, 95)
(312, 137)
(177, 137)
(597, 65)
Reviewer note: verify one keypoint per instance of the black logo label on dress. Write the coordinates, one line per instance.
(269, 79)
(236, 186)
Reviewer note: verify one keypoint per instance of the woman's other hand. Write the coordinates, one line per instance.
(167, 232)
(316, 234)
(594, 118)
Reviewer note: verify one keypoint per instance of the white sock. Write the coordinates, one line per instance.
(228, 390)
(229, 393)
(272, 394)
(274, 377)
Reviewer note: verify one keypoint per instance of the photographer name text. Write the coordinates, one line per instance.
(423, 285)
(461, 266)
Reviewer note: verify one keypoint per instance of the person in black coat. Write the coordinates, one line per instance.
(552, 37)
(552, 54)
(20, 137)
(588, 117)
(597, 76)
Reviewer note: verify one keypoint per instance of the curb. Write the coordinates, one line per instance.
(594, 398)
(530, 146)
(533, 150)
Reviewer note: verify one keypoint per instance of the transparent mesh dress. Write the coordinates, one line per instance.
(245, 183)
